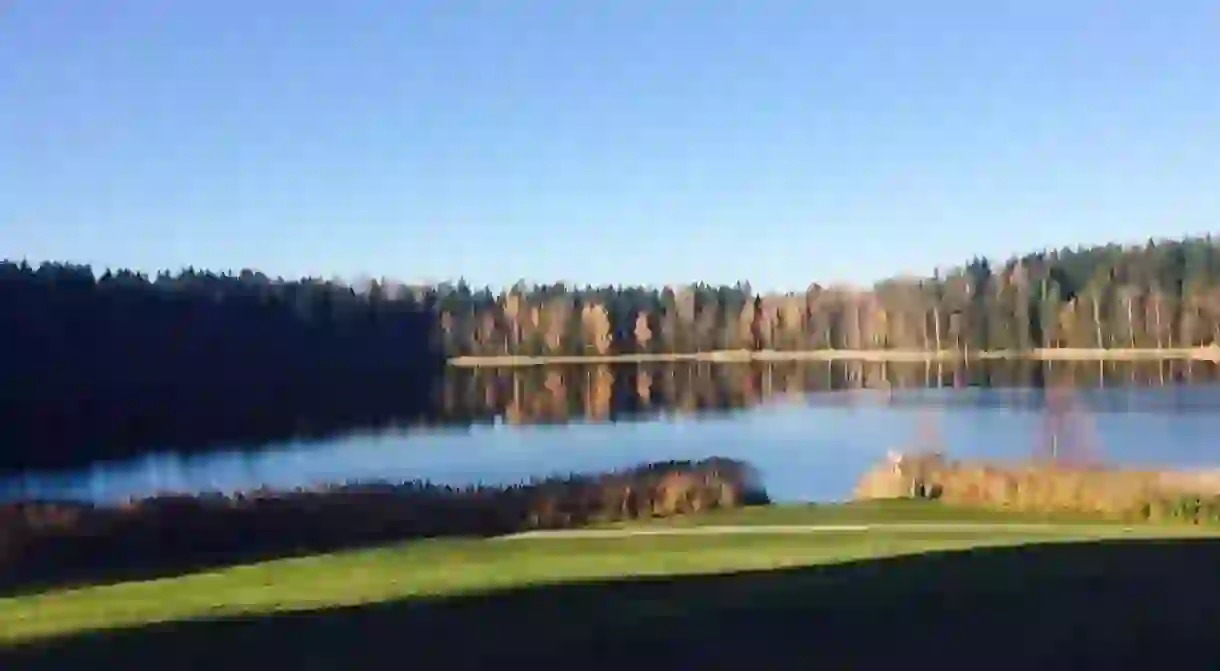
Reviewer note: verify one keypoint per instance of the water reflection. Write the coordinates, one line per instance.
(611, 392)
(811, 428)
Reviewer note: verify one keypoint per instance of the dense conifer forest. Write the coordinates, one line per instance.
(113, 364)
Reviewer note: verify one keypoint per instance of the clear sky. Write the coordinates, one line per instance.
(783, 142)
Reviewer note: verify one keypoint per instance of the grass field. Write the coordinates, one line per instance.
(993, 598)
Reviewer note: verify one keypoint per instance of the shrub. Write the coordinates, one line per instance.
(1145, 495)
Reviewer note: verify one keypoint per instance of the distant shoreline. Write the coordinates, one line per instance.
(1211, 353)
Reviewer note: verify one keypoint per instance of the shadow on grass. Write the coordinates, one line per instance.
(1115, 604)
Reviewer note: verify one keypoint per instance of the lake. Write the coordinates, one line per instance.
(811, 428)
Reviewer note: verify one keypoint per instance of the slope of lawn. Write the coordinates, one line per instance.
(427, 570)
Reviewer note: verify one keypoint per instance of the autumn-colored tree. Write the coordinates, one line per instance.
(596, 324)
(512, 306)
(747, 325)
(642, 331)
(557, 316)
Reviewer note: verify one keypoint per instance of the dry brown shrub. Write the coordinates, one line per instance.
(1032, 486)
(676, 493)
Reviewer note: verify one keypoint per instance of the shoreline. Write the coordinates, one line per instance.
(1210, 353)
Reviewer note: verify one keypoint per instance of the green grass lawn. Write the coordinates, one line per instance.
(604, 603)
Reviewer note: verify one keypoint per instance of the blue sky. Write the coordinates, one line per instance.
(596, 141)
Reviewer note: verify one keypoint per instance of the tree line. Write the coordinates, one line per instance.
(1164, 294)
(110, 365)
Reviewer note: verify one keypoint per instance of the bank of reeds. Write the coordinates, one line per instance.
(43, 542)
(1048, 487)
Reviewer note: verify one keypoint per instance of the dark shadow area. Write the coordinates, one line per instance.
(49, 544)
(108, 367)
(1120, 604)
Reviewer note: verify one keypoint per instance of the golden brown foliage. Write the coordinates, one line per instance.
(597, 328)
(1032, 487)
(643, 334)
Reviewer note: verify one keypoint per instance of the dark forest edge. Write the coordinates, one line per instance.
(110, 366)
(113, 365)
(43, 544)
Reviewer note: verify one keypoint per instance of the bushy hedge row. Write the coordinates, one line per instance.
(44, 542)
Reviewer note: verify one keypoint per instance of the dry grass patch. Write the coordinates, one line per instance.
(1047, 487)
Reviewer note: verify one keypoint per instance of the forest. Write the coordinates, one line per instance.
(1163, 294)
(111, 364)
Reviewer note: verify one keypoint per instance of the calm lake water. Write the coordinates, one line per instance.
(812, 429)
